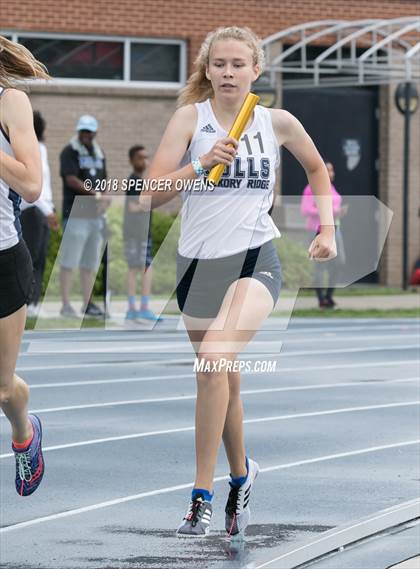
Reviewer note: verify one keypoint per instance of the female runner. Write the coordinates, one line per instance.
(20, 177)
(228, 271)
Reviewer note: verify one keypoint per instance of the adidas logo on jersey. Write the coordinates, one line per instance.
(207, 128)
(266, 273)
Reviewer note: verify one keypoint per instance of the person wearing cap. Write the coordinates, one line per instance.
(80, 161)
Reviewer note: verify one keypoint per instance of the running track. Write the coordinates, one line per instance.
(335, 430)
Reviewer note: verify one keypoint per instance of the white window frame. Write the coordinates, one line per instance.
(127, 42)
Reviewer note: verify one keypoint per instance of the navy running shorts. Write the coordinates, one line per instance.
(202, 283)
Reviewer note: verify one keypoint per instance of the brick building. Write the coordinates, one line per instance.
(140, 53)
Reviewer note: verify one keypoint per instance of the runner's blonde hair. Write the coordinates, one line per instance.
(17, 63)
(198, 87)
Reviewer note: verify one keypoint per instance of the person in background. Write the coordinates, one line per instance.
(309, 210)
(80, 161)
(415, 274)
(37, 219)
(138, 240)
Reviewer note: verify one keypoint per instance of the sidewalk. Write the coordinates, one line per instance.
(286, 302)
(368, 302)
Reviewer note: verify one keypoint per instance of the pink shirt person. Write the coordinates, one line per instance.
(309, 208)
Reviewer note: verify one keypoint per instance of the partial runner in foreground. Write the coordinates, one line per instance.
(20, 177)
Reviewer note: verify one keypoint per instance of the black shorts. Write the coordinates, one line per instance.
(138, 254)
(202, 283)
(16, 278)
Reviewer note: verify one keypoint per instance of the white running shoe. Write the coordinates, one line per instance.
(238, 513)
(196, 522)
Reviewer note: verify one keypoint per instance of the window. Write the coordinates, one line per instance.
(78, 59)
(155, 62)
(111, 60)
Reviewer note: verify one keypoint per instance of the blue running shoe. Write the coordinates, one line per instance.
(131, 315)
(30, 465)
(148, 315)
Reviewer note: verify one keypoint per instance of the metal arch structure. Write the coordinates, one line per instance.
(358, 52)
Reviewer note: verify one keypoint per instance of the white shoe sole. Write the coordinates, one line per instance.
(193, 536)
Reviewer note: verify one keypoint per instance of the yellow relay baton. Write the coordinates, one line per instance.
(236, 131)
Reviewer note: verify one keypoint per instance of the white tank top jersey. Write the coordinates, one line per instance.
(10, 229)
(234, 216)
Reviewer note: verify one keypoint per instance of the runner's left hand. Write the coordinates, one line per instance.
(323, 248)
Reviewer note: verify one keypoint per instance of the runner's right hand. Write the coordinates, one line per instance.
(223, 152)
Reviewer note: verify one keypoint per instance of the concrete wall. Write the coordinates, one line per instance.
(391, 140)
(126, 117)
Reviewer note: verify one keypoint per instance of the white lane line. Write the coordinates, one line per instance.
(191, 375)
(37, 348)
(133, 497)
(338, 455)
(188, 359)
(141, 363)
(185, 398)
(162, 362)
(111, 404)
(335, 411)
(135, 345)
(248, 421)
(185, 347)
(111, 381)
(346, 327)
(110, 439)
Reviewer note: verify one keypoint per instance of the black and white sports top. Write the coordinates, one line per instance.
(234, 216)
(10, 229)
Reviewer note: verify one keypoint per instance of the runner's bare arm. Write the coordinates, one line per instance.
(165, 165)
(22, 173)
